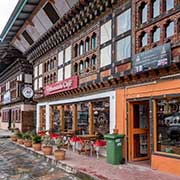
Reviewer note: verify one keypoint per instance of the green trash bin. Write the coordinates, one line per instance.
(114, 148)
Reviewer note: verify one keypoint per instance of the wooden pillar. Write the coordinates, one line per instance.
(62, 123)
(91, 119)
(42, 123)
(51, 117)
(74, 125)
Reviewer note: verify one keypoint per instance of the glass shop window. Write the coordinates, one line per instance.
(56, 120)
(168, 126)
(83, 118)
(68, 116)
(101, 117)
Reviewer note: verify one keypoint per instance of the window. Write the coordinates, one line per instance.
(51, 64)
(156, 8)
(68, 54)
(156, 35)
(54, 77)
(169, 4)
(60, 74)
(144, 39)
(105, 56)
(40, 69)
(76, 50)
(35, 71)
(169, 29)
(75, 68)
(123, 48)
(35, 84)
(40, 83)
(94, 41)
(87, 44)
(143, 14)
(168, 125)
(51, 13)
(81, 48)
(60, 58)
(45, 81)
(106, 32)
(124, 22)
(27, 37)
(45, 67)
(81, 67)
(94, 62)
(48, 66)
(67, 71)
(28, 78)
(87, 64)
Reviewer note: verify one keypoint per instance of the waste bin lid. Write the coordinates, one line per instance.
(113, 136)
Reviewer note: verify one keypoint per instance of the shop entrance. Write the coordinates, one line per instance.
(139, 132)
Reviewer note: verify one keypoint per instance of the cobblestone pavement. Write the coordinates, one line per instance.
(17, 164)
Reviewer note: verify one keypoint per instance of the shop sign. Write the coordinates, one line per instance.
(152, 59)
(28, 92)
(7, 97)
(65, 85)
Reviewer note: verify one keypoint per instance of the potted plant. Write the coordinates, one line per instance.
(59, 153)
(37, 142)
(19, 136)
(14, 136)
(47, 148)
(28, 139)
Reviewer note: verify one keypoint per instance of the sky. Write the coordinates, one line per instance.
(6, 8)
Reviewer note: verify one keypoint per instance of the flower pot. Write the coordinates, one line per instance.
(20, 141)
(28, 143)
(47, 150)
(13, 138)
(37, 146)
(59, 154)
(115, 131)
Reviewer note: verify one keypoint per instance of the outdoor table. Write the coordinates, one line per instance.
(86, 142)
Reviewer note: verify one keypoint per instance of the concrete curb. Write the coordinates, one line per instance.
(59, 164)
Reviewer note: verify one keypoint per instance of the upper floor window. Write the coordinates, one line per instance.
(94, 62)
(81, 48)
(124, 22)
(76, 50)
(94, 41)
(81, 67)
(143, 13)
(169, 29)
(169, 4)
(87, 44)
(27, 37)
(156, 35)
(51, 13)
(156, 8)
(123, 49)
(143, 40)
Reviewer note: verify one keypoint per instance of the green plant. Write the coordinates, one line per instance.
(47, 140)
(59, 142)
(27, 136)
(36, 139)
(19, 135)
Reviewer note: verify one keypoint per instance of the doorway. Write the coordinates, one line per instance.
(139, 131)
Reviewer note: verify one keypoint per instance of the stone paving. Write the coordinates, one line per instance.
(18, 164)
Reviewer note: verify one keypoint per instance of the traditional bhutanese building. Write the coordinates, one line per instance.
(103, 65)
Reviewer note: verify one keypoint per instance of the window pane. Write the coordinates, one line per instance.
(168, 126)
(156, 8)
(170, 29)
(144, 14)
(156, 35)
(124, 22)
(144, 40)
(83, 117)
(106, 32)
(68, 116)
(169, 4)
(124, 48)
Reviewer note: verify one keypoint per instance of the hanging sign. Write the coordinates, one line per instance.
(65, 85)
(28, 92)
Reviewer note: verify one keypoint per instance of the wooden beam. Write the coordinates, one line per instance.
(91, 119)
(74, 125)
(62, 122)
(51, 117)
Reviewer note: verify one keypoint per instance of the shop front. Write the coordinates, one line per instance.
(91, 114)
(152, 128)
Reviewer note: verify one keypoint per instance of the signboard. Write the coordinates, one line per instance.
(65, 85)
(152, 59)
(7, 97)
(28, 92)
